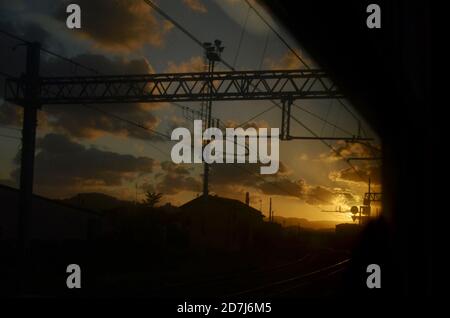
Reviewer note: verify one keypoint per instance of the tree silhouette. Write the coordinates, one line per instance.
(152, 198)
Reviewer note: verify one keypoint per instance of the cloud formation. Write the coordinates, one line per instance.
(319, 195)
(289, 61)
(363, 170)
(173, 179)
(63, 163)
(362, 174)
(284, 187)
(351, 150)
(119, 25)
(89, 123)
(194, 64)
(238, 178)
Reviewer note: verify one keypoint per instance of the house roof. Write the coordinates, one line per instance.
(215, 202)
(4, 188)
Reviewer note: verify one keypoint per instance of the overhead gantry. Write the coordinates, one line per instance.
(178, 87)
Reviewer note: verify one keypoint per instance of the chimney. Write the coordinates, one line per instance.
(247, 198)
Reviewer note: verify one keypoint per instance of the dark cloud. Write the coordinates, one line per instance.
(323, 196)
(319, 195)
(89, 123)
(349, 198)
(118, 25)
(283, 169)
(289, 61)
(362, 174)
(174, 183)
(231, 176)
(243, 174)
(82, 122)
(174, 178)
(98, 62)
(351, 149)
(194, 64)
(234, 178)
(314, 195)
(178, 169)
(10, 114)
(363, 170)
(61, 162)
(75, 120)
(283, 187)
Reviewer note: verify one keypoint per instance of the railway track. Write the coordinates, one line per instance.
(275, 280)
(280, 287)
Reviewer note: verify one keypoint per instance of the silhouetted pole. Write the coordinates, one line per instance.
(136, 193)
(212, 53)
(360, 219)
(370, 198)
(270, 210)
(28, 148)
(208, 125)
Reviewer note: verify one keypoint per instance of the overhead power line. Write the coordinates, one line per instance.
(353, 115)
(71, 61)
(111, 115)
(331, 147)
(118, 117)
(127, 121)
(244, 26)
(183, 29)
(173, 21)
(279, 36)
(133, 124)
(196, 40)
(263, 55)
(18, 38)
(10, 128)
(10, 137)
(257, 115)
(13, 36)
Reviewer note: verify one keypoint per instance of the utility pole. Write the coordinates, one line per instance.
(30, 108)
(208, 124)
(286, 118)
(136, 193)
(212, 53)
(270, 210)
(370, 199)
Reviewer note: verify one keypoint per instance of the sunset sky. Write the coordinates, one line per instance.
(81, 150)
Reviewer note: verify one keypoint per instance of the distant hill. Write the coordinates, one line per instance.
(96, 201)
(291, 221)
